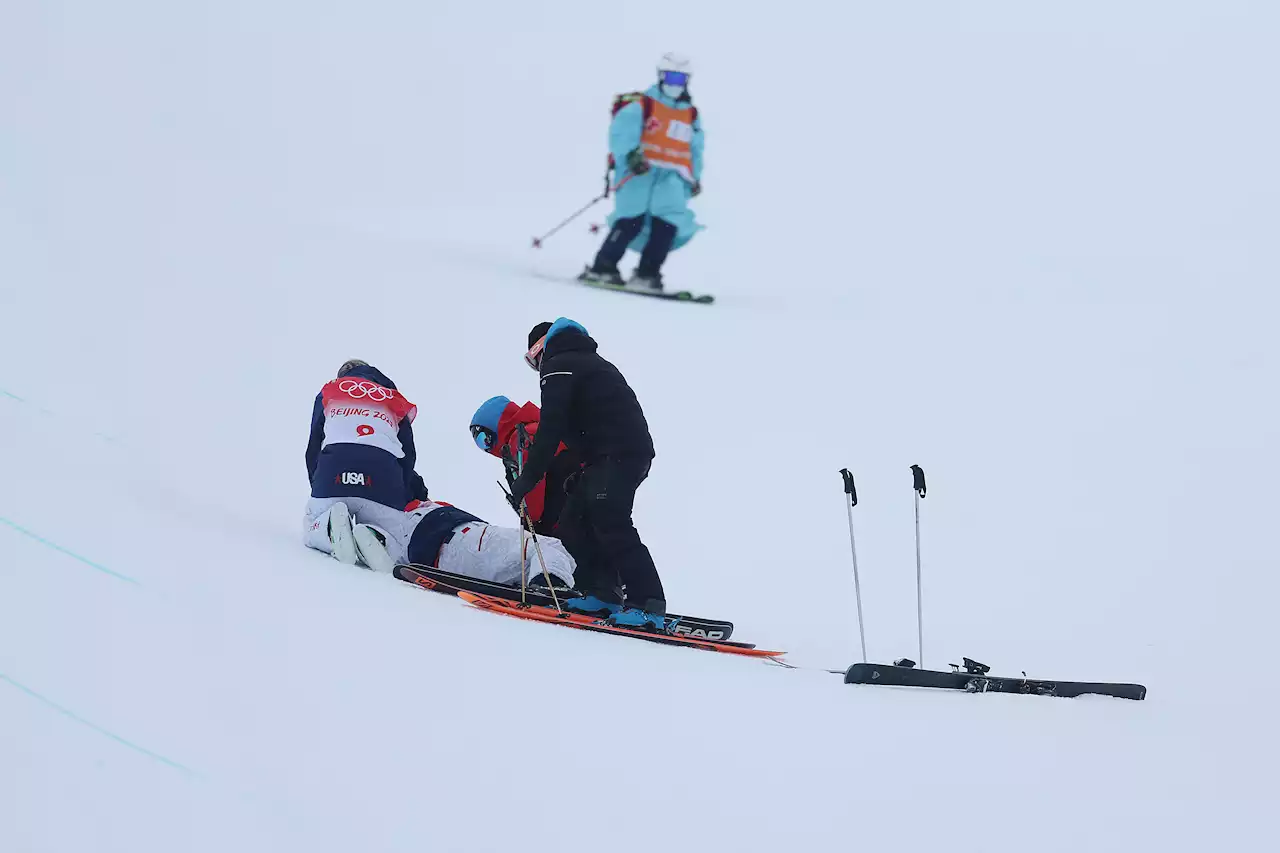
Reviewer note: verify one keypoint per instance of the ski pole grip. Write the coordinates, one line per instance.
(522, 441)
(849, 487)
(917, 480)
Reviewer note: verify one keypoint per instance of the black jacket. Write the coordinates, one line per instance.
(587, 404)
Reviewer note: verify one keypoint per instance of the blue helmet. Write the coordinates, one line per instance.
(484, 423)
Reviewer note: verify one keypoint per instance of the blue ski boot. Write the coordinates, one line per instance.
(651, 617)
(589, 605)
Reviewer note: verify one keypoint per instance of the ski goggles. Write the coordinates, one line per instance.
(674, 78)
(483, 437)
(533, 357)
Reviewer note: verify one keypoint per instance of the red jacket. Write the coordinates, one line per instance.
(508, 437)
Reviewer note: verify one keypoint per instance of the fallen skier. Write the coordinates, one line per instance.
(448, 538)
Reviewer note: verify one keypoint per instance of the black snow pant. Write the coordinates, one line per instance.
(597, 530)
(661, 235)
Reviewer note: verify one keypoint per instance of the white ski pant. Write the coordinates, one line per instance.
(492, 553)
(396, 524)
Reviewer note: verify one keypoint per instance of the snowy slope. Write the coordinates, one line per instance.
(1030, 249)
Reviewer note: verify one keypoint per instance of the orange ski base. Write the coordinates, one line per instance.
(591, 623)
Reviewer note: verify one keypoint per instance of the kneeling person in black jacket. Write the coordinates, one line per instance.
(588, 405)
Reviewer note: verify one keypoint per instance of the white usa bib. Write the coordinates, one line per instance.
(360, 411)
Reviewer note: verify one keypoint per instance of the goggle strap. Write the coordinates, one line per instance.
(533, 357)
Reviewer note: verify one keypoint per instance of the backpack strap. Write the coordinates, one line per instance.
(619, 103)
(626, 99)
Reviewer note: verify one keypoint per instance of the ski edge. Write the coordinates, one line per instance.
(534, 613)
(695, 627)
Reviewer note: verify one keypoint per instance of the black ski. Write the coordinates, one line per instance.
(449, 583)
(974, 679)
(670, 295)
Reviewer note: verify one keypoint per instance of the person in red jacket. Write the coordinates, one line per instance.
(495, 429)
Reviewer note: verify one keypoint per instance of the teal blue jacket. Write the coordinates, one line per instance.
(660, 192)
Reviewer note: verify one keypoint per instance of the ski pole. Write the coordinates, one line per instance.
(524, 550)
(853, 548)
(537, 241)
(917, 483)
(506, 459)
(537, 547)
(526, 526)
(521, 513)
(522, 439)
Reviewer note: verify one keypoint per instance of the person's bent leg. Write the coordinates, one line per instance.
(618, 540)
(615, 245)
(662, 234)
(326, 527)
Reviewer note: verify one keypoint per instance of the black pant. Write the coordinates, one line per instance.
(661, 235)
(597, 530)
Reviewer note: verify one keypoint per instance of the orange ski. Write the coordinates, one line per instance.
(536, 613)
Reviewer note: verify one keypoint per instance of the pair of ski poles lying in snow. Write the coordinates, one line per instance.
(917, 483)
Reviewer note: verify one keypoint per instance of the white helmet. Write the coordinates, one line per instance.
(675, 62)
(674, 71)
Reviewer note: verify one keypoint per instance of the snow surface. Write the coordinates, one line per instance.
(1031, 247)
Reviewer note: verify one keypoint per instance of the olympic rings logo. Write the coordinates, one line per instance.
(356, 390)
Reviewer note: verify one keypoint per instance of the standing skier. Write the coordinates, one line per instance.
(360, 460)
(656, 142)
(587, 404)
(494, 427)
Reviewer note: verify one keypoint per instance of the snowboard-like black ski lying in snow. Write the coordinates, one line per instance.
(974, 679)
(449, 583)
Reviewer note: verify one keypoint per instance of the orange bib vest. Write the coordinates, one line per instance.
(667, 138)
(667, 142)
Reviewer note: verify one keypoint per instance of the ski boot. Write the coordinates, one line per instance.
(341, 540)
(372, 545)
(539, 580)
(650, 284)
(590, 605)
(611, 277)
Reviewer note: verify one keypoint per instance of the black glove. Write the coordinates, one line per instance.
(696, 189)
(512, 469)
(636, 162)
(418, 487)
(519, 489)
